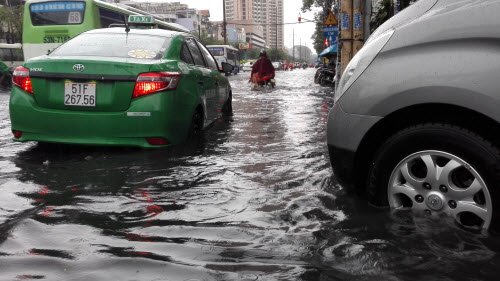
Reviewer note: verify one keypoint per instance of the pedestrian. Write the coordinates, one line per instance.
(262, 70)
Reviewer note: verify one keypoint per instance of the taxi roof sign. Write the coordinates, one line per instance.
(140, 19)
(330, 19)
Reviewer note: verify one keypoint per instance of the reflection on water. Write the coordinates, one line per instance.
(253, 199)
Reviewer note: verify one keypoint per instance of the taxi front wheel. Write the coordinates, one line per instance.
(439, 169)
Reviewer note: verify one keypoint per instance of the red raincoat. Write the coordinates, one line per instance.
(262, 70)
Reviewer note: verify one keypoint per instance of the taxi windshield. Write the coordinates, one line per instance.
(140, 46)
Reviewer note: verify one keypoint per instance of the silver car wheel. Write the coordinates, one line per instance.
(439, 182)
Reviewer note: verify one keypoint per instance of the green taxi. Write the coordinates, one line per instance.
(119, 86)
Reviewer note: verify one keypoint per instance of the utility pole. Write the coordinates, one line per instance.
(224, 23)
(199, 26)
(293, 44)
(353, 27)
(300, 49)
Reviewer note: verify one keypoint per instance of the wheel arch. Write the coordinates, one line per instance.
(445, 113)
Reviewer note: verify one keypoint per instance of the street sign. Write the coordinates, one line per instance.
(330, 31)
(244, 46)
(330, 19)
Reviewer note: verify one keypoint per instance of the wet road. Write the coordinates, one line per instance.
(254, 199)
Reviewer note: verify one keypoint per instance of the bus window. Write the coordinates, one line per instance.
(109, 17)
(57, 13)
(208, 57)
(216, 51)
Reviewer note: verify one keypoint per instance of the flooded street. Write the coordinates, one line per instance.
(254, 199)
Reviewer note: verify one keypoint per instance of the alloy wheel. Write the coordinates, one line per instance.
(439, 182)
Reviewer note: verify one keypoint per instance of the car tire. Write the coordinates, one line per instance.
(227, 108)
(439, 168)
(196, 126)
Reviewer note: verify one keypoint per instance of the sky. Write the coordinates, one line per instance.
(303, 31)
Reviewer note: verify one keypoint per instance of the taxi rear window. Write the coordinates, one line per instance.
(139, 46)
(57, 13)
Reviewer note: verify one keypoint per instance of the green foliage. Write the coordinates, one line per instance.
(11, 24)
(384, 10)
(317, 37)
(249, 54)
(277, 54)
(208, 40)
(302, 53)
(327, 5)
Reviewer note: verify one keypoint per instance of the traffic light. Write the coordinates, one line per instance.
(300, 18)
(326, 42)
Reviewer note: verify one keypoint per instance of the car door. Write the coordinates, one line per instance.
(206, 84)
(219, 81)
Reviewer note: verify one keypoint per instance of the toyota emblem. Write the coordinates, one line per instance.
(78, 67)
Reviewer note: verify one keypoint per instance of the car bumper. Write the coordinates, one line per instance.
(144, 119)
(344, 135)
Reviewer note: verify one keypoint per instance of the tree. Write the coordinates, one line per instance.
(327, 6)
(317, 37)
(249, 54)
(384, 10)
(11, 25)
(302, 53)
(277, 54)
(210, 41)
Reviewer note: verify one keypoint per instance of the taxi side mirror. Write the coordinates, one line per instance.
(226, 67)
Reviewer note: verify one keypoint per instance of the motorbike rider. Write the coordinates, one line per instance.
(262, 70)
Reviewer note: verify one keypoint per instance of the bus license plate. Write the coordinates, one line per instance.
(79, 94)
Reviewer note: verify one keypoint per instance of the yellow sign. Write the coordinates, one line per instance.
(330, 19)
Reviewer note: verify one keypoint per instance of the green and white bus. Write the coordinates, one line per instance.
(226, 53)
(49, 23)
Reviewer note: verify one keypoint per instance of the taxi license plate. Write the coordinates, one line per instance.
(79, 94)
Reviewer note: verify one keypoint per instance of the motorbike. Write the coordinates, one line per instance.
(325, 76)
(267, 82)
(7, 79)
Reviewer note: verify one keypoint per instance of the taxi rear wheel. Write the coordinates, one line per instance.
(227, 108)
(196, 123)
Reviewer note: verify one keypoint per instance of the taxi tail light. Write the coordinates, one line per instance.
(153, 82)
(21, 78)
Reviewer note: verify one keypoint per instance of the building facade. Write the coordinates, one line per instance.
(194, 20)
(267, 14)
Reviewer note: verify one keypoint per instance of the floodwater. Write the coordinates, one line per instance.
(254, 199)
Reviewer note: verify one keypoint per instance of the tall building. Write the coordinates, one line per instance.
(265, 13)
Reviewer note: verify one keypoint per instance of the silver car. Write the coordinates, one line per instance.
(415, 124)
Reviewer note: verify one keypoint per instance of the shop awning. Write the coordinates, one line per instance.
(332, 50)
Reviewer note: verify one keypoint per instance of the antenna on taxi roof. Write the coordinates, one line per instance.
(127, 28)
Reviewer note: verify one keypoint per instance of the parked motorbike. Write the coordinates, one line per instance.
(6, 82)
(325, 76)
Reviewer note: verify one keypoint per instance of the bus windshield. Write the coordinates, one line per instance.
(57, 13)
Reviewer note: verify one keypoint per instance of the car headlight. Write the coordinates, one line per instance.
(361, 61)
